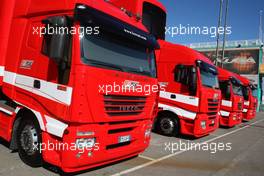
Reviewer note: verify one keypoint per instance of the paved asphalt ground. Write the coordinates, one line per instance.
(243, 155)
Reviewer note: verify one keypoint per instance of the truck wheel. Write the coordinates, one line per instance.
(168, 125)
(28, 141)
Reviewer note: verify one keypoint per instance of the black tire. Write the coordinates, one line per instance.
(168, 124)
(29, 133)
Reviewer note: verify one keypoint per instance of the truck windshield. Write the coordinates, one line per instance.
(254, 92)
(237, 89)
(208, 75)
(118, 45)
(114, 52)
(209, 79)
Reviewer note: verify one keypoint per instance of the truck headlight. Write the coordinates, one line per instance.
(203, 125)
(147, 133)
(85, 143)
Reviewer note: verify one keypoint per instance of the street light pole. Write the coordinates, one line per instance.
(224, 39)
(218, 36)
(260, 27)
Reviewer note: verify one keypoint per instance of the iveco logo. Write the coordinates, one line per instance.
(216, 96)
(128, 108)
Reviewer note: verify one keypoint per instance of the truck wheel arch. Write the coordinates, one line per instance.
(21, 114)
(167, 108)
(168, 112)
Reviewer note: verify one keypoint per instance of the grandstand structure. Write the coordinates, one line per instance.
(244, 57)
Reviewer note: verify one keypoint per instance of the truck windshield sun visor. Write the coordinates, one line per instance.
(88, 16)
(207, 67)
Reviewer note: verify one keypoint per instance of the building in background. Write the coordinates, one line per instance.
(244, 57)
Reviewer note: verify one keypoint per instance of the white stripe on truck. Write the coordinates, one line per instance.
(194, 101)
(2, 69)
(47, 90)
(52, 126)
(55, 127)
(227, 103)
(178, 111)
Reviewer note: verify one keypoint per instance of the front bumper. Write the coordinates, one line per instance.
(232, 120)
(194, 127)
(108, 148)
(249, 115)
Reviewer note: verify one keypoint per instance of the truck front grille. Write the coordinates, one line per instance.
(123, 128)
(118, 105)
(212, 108)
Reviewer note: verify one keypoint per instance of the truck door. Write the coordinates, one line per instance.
(44, 80)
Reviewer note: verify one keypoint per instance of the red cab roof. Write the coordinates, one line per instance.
(243, 79)
(41, 7)
(170, 51)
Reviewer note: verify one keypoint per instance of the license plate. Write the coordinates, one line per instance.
(123, 139)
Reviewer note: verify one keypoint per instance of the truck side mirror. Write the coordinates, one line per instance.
(57, 47)
(178, 71)
(246, 96)
(245, 93)
(59, 39)
(228, 92)
(193, 81)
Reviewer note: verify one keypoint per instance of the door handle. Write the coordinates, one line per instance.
(37, 84)
(173, 96)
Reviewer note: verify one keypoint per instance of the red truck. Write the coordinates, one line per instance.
(250, 93)
(54, 85)
(232, 98)
(190, 97)
(190, 101)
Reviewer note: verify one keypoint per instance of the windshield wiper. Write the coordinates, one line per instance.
(105, 65)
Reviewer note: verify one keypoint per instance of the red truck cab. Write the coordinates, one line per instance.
(54, 88)
(232, 98)
(190, 97)
(250, 93)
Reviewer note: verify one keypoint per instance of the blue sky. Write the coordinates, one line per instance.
(243, 18)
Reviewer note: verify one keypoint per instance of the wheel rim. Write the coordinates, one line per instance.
(167, 125)
(29, 139)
